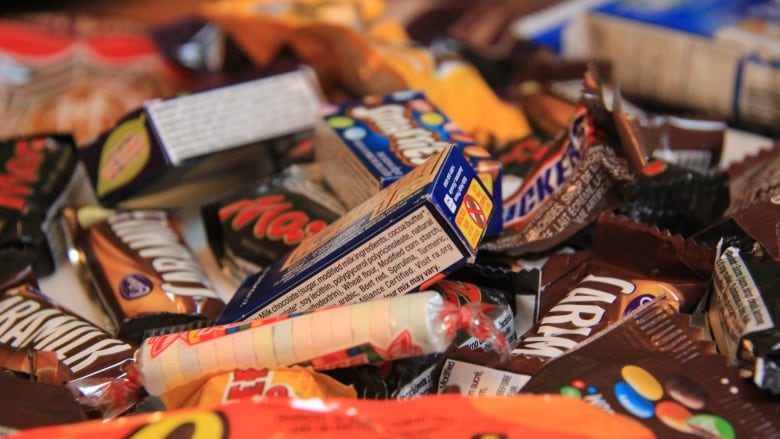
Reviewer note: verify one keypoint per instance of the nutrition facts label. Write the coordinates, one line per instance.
(394, 262)
(223, 118)
(741, 310)
(472, 379)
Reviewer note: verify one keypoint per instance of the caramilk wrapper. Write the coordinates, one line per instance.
(31, 321)
(630, 266)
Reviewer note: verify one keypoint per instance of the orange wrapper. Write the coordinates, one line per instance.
(293, 382)
(444, 416)
(351, 47)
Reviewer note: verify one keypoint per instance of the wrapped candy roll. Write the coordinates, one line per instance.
(368, 332)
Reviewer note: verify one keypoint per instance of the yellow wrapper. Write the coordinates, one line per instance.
(293, 382)
(351, 48)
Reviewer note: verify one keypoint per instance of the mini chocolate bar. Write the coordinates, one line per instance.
(140, 269)
(29, 320)
(742, 311)
(38, 175)
(249, 230)
(586, 292)
(574, 179)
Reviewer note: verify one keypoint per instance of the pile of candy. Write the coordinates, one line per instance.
(400, 203)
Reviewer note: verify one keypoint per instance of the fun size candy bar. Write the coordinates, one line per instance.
(29, 320)
(140, 269)
(250, 229)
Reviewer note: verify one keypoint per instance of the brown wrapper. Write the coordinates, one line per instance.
(252, 228)
(630, 265)
(657, 368)
(40, 366)
(577, 177)
(694, 143)
(547, 113)
(30, 404)
(30, 321)
(754, 179)
(141, 270)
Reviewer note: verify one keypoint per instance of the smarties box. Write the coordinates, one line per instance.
(410, 234)
(366, 144)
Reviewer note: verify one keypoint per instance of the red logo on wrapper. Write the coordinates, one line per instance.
(273, 218)
(245, 383)
(20, 173)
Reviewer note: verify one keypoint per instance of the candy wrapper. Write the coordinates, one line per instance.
(657, 368)
(38, 176)
(587, 292)
(574, 179)
(77, 74)
(249, 230)
(742, 312)
(407, 236)
(354, 49)
(414, 377)
(202, 144)
(140, 269)
(364, 145)
(31, 404)
(39, 366)
(374, 331)
(677, 199)
(449, 416)
(754, 179)
(29, 320)
(289, 382)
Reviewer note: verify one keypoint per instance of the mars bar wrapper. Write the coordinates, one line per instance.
(408, 235)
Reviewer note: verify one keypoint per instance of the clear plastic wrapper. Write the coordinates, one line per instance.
(380, 330)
